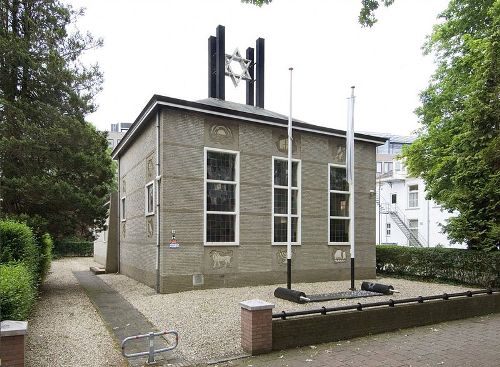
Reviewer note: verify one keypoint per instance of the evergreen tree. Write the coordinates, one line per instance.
(54, 166)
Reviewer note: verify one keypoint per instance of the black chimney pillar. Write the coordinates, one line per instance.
(249, 83)
(211, 67)
(259, 89)
(220, 63)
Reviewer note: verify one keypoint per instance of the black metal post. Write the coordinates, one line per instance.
(353, 288)
(289, 273)
(220, 63)
(259, 88)
(249, 83)
(211, 67)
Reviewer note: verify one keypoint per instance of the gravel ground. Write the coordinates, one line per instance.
(208, 321)
(65, 329)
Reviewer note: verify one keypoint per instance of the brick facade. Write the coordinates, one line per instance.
(184, 135)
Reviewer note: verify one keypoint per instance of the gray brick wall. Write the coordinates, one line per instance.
(255, 261)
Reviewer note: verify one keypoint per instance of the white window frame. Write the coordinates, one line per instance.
(336, 165)
(123, 218)
(152, 212)
(299, 202)
(388, 229)
(237, 197)
(412, 192)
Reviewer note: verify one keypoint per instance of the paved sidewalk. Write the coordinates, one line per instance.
(125, 320)
(469, 342)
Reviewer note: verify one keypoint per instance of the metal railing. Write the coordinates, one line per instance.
(151, 351)
(391, 303)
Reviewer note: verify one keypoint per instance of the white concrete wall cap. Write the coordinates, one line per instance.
(256, 304)
(11, 328)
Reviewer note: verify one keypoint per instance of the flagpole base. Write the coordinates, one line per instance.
(353, 288)
(289, 273)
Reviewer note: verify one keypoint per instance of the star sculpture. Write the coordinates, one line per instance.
(244, 64)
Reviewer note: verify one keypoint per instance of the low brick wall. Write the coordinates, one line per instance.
(300, 331)
(12, 335)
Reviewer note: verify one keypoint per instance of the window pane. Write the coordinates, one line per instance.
(281, 202)
(220, 227)
(339, 205)
(221, 166)
(338, 179)
(220, 197)
(281, 173)
(413, 200)
(150, 198)
(339, 230)
(280, 229)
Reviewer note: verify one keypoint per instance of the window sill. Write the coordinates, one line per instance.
(215, 244)
(149, 214)
(413, 208)
(286, 244)
(123, 220)
(339, 244)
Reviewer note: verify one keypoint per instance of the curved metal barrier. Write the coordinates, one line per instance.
(151, 352)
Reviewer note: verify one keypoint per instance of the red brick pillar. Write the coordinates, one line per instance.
(256, 326)
(12, 335)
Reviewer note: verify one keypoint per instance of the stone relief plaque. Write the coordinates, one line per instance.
(221, 134)
(339, 255)
(281, 144)
(281, 256)
(221, 259)
(337, 150)
(150, 167)
(149, 227)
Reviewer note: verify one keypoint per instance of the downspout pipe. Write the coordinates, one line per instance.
(158, 191)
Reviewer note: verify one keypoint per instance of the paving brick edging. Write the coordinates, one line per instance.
(261, 334)
(12, 335)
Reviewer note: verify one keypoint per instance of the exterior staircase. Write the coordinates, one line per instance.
(398, 217)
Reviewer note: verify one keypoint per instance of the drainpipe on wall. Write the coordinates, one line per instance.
(118, 219)
(157, 185)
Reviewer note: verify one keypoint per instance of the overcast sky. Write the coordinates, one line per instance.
(160, 47)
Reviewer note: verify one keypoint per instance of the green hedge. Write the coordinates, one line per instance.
(45, 247)
(17, 291)
(72, 247)
(443, 264)
(18, 245)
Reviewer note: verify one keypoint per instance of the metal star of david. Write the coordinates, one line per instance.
(244, 64)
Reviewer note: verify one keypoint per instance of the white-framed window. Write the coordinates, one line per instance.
(394, 198)
(338, 205)
(387, 167)
(379, 167)
(149, 198)
(279, 200)
(413, 227)
(388, 229)
(413, 196)
(122, 209)
(222, 197)
(111, 143)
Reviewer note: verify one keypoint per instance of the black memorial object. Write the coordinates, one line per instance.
(219, 66)
(367, 290)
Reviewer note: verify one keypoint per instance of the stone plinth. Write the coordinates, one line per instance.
(12, 335)
(256, 326)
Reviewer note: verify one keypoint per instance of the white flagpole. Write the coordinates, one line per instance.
(350, 180)
(289, 209)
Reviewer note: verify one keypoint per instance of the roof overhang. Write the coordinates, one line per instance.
(158, 102)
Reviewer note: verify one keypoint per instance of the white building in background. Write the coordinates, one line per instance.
(404, 216)
(116, 133)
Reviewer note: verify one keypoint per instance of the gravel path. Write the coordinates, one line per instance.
(65, 329)
(208, 321)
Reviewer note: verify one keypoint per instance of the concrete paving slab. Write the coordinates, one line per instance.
(125, 320)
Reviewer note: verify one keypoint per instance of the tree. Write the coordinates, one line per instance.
(366, 15)
(54, 166)
(457, 151)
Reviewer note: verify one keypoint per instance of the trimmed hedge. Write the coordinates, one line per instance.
(73, 247)
(18, 245)
(17, 291)
(45, 247)
(444, 264)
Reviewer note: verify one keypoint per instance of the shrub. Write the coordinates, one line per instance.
(73, 247)
(18, 244)
(17, 292)
(45, 248)
(444, 264)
